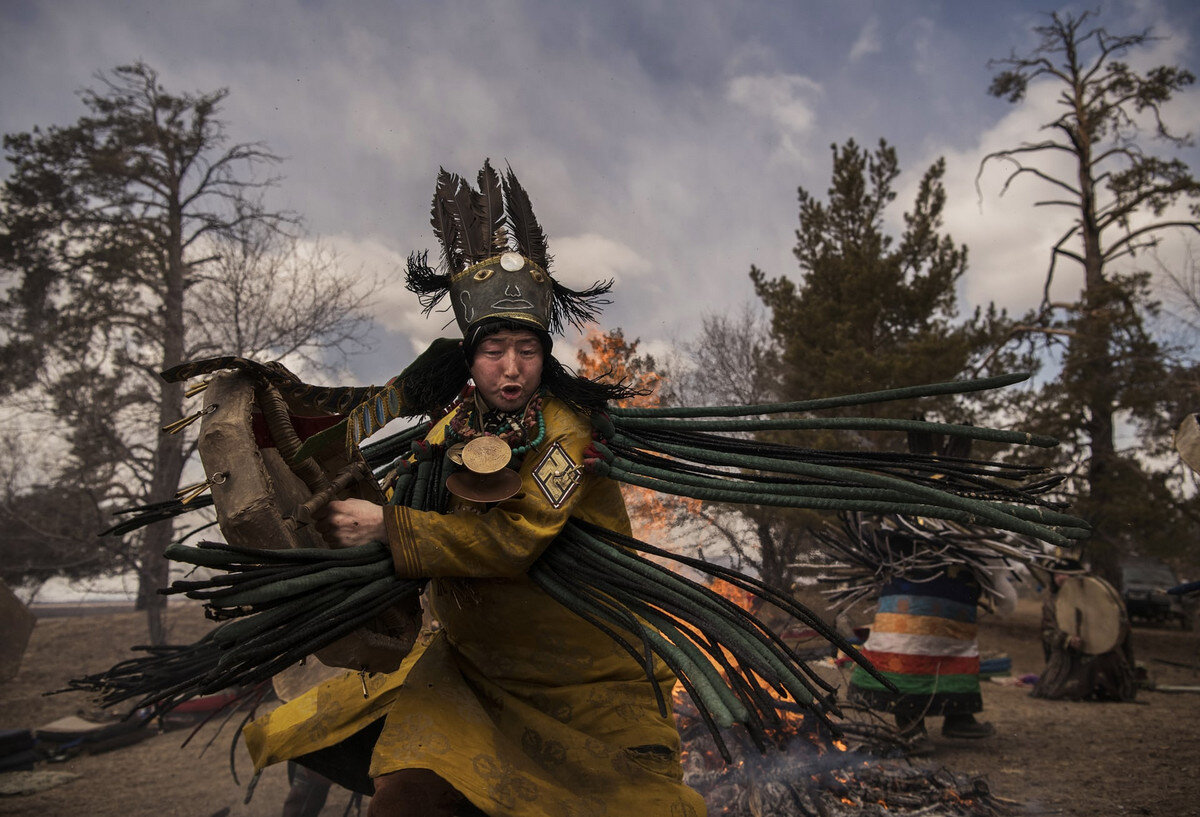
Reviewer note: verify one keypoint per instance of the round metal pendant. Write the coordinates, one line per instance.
(454, 453)
(512, 261)
(486, 455)
(495, 487)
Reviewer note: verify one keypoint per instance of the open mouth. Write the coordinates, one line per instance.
(510, 392)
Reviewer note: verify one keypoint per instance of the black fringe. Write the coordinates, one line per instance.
(577, 307)
(583, 395)
(434, 379)
(429, 285)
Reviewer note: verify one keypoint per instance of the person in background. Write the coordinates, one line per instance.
(923, 639)
(1072, 674)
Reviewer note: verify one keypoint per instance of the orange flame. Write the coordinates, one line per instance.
(615, 359)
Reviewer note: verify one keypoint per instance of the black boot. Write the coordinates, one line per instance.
(917, 740)
(965, 726)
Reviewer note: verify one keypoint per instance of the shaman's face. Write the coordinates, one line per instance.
(507, 369)
(509, 286)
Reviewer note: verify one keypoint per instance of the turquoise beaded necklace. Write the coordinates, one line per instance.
(462, 426)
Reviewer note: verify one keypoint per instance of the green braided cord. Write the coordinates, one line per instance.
(328, 632)
(304, 585)
(706, 696)
(588, 548)
(220, 586)
(653, 606)
(210, 554)
(545, 575)
(818, 504)
(760, 705)
(734, 705)
(759, 493)
(639, 596)
(342, 603)
(321, 626)
(597, 608)
(402, 488)
(744, 635)
(382, 453)
(753, 492)
(843, 423)
(698, 674)
(755, 586)
(421, 486)
(233, 629)
(730, 630)
(884, 396)
(639, 585)
(270, 642)
(996, 516)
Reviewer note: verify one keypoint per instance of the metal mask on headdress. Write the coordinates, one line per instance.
(507, 286)
(495, 259)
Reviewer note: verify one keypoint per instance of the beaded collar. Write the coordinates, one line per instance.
(523, 431)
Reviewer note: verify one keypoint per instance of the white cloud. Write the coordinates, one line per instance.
(868, 41)
(785, 99)
(1008, 236)
(581, 259)
(665, 156)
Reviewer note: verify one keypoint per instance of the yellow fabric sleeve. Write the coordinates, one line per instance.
(503, 541)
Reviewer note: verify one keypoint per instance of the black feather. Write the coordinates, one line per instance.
(531, 241)
(445, 227)
(492, 200)
(473, 240)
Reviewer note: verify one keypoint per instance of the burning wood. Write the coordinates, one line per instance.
(810, 772)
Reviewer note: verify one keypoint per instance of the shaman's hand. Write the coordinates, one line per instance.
(351, 522)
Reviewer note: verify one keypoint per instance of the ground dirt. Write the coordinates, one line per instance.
(1055, 758)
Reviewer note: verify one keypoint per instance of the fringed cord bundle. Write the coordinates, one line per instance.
(276, 608)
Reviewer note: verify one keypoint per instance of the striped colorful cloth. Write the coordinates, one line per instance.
(923, 640)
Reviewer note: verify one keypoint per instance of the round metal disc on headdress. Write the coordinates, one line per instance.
(486, 455)
(512, 261)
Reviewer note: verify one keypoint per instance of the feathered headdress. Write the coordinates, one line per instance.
(495, 259)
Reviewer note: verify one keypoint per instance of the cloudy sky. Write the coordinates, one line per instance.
(662, 142)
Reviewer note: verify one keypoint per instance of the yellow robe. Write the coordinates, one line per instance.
(524, 707)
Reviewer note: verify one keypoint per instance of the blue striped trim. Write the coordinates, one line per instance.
(912, 605)
(941, 587)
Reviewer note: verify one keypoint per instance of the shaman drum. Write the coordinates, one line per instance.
(263, 502)
(1187, 441)
(1089, 607)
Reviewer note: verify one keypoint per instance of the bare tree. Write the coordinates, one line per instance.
(1122, 198)
(732, 360)
(271, 294)
(119, 235)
